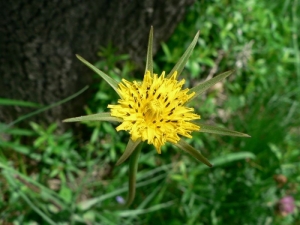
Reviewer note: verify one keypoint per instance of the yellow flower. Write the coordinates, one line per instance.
(155, 110)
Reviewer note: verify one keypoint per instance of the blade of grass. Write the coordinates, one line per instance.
(145, 202)
(126, 213)
(50, 194)
(225, 159)
(6, 101)
(36, 209)
(222, 160)
(21, 118)
(85, 205)
(29, 202)
(295, 38)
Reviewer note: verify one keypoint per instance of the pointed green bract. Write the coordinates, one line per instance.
(149, 59)
(218, 130)
(108, 79)
(94, 117)
(192, 151)
(128, 151)
(202, 87)
(184, 58)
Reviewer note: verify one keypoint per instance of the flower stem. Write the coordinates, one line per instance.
(133, 166)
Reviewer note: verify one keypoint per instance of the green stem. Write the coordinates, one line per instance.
(133, 166)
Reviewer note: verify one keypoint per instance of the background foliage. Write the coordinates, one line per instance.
(49, 177)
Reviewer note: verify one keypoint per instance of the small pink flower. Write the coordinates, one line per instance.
(286, 205)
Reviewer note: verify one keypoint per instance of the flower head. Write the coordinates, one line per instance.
(155, 110)
(286, 205)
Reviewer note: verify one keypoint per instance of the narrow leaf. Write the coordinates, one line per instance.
(195, 153)
(184, 58)
(232, 157)
(202, 87)
(13, 102)
(34, 206)
(94, 117)
(149, 60)
(128, 151)
(21, 118)
(218, 130)
(87, 204)
(108, 79)
(135, 212)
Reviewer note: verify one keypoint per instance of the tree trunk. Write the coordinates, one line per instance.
(40, 40)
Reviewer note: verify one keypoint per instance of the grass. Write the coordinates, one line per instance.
(70, 178)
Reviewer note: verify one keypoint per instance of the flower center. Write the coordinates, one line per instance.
(153, 110)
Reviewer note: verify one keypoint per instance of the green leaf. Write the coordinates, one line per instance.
(23, 149)
(149, 60)
(47, 192)
(66, 194)
(218, 130)
(231, 157)
(128, 151)
(109, 80)
(94, 117)
(21, 118)
(6, 101)
(17, 131)
(35, 207)
(184, 58)
(202, 87)
(135, 212)
(192, 151)
(87, 204)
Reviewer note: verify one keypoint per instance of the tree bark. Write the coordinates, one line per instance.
(40, 40)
